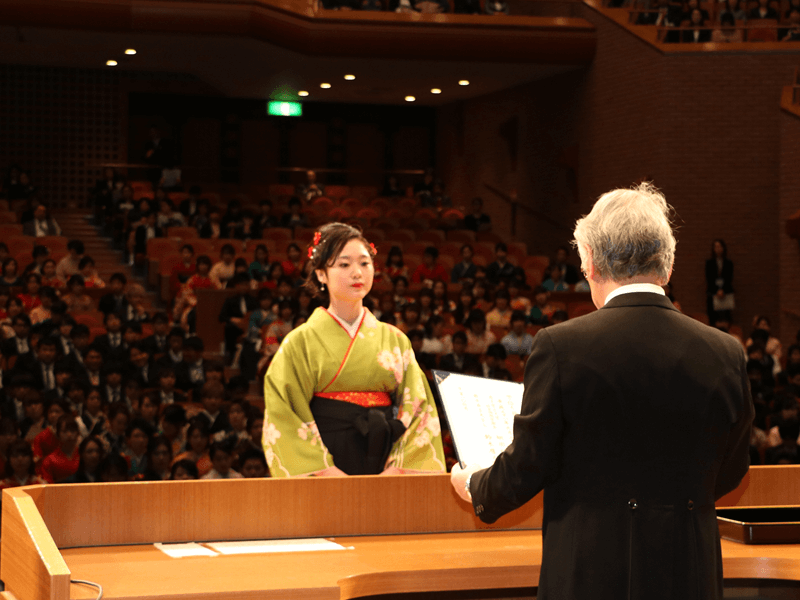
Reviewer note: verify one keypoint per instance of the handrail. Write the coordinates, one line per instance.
(512, 200)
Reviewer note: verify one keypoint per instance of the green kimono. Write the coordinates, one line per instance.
(321, 357)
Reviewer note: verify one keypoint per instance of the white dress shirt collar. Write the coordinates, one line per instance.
(634, 288)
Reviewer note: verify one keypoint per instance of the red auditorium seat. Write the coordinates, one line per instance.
(365, 193)
(278, 235)
(337, 213)
(281, 189)
(426, 213)
(159, 246)
(518, 251)
(352, 204)
(304, 235)
(434, 236)
(453, 214)
(323, 203)
(536, 263)
(55, 243)
(10, 229)
(417, 247)
(375, 235)
(464, 236)
(337, 191)
(368, 214)
(381, 204)
(19, 243)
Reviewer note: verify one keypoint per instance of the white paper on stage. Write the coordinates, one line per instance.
(480, 413)
(184, 550)
(262, 546)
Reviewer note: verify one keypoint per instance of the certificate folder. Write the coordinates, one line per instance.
(481, 414)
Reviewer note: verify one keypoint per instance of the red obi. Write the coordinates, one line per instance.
(365, 399)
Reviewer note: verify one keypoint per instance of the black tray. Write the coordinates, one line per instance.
(760, 525)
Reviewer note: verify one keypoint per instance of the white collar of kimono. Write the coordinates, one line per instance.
(350, 329)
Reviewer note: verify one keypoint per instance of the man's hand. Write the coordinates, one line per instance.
(458, 478)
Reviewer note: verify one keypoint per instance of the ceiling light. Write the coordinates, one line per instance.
(436, 91)
(111, 63)
(410, 98)
(325, 86)
(349, 77)
(463, 82)
(302, 93)
(130, 51)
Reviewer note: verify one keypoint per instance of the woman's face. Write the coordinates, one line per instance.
(10, 268)
(181, 474)
(54, 413)
(160, 458)
(138, 441)
(93, 402)
(349, 278)
(438, 289)
(261, 256)
(502, 303)
(237, 417)
(119, 424)
(21, 464)
(68, 437)
(33, 286)
(763, 324)
(49, 269)
(718, 249)
(294, 254)
(198, 442)
(256, 430)
(13, 309)
(91, 456)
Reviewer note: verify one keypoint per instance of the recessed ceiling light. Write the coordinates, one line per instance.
(436, 91)
(463, 82)
(325, 86)
(111, 63)
(130, 51)
(410, 98)
(302, 93)
(350, 77)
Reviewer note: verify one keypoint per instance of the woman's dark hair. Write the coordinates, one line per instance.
(394, 251)
(432, 251)
(85, 262)
(35, 276)
(19, 448)
(113, 462)
(157, 442)
(187, 465)
(476, 315)
(724, 248)
(7, 262)
(727, 19)
(203, 259)
(502, 294)
(425, 293)
(188, 247)
(333, 237)
(227, 249)
(82, 448)
(76, 280)
(263, 248)
(432, 322)
(200, 425)
(66, 422)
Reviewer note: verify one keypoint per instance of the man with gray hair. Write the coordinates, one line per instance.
(635, 419)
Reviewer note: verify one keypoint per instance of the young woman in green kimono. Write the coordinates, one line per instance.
(344, 394)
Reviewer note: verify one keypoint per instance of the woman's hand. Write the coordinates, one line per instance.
(392, 471)
(331, 472)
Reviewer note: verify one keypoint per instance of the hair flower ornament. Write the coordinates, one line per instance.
(313, 249)
(373, 248)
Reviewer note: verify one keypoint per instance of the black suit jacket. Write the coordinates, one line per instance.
(108, 304)
(634, 420)
(232, 308)
(713, 273)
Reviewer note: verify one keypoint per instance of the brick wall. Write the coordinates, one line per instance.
(705, 128)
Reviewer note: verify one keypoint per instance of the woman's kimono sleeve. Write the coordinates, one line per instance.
(420, 447)
(292, 444)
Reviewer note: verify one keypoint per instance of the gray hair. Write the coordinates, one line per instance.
(629, 234)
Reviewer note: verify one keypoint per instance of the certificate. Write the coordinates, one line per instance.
(480, 413)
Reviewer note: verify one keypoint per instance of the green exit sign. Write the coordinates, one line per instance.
(284, 109)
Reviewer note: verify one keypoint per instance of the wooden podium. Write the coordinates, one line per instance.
(407, 535)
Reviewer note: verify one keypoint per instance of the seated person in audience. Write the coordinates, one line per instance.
(137, 438)
(458, 361)
(92, 419)
(224, 269)
(559, 317)
(49, 278)
(113, 438)
(734, 8)
(424, 188)
(115, 300)
(10, 274)
(40, 254)
(727, 32)
(190, 373)
(442, 305)
(293, 265)
(188, 207)
(516, 301)
(494, 364)
(772, 345)
(63, 373)
(555, 282)
(658, 15)
(197, 442)
(478, 220)
(19, 346)
(410, 319)
(500, 268)
(270, 282)
(68, 266)
(79, 342)
(159, 459)
(424, 360)
(436, 342)
(232, 219)
(793, 355)
(793, 33)
(254, 464)
(756, 350)
(310, 189)
(141, 367)
(42, 312)
(156, 344)
(76, 299)
(234, 312)
(147, 230)
(295, 217)
(479, 338)
(167, 392)
(167, 215)
(284, 292)
(386, 307)
(174, 354)
(222, 457)
(569, 272)
(464, 305)
(41, 364)
(400, 295)
(19, 468)
(35, 419)
(495, 7)
(113, 468)
(763, 11)
(76, 392)
(131, 334)
(786, 452)
(518, 341)
(184, 469)
(500, 315)
(425, 303)
(793, 379)
(395, 267)
(170, 178)
(31, 285)
(265, 219)
(62, 462)
(237, 419)
(213, 397)
(41, 225)
(467, 7)
(391, 188)
(46, 442)
(212, 229)
(480, 298)
(89, 273)
(202, 217)
(91, 373)
(697, 34)
(215, 372)
(186, 301)
(259, 268)
(464, 272)
(276, 331)
(430, 270)
(172, 425)
(91, 454)
(690, 6)
(182, 271)
(261, 316)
